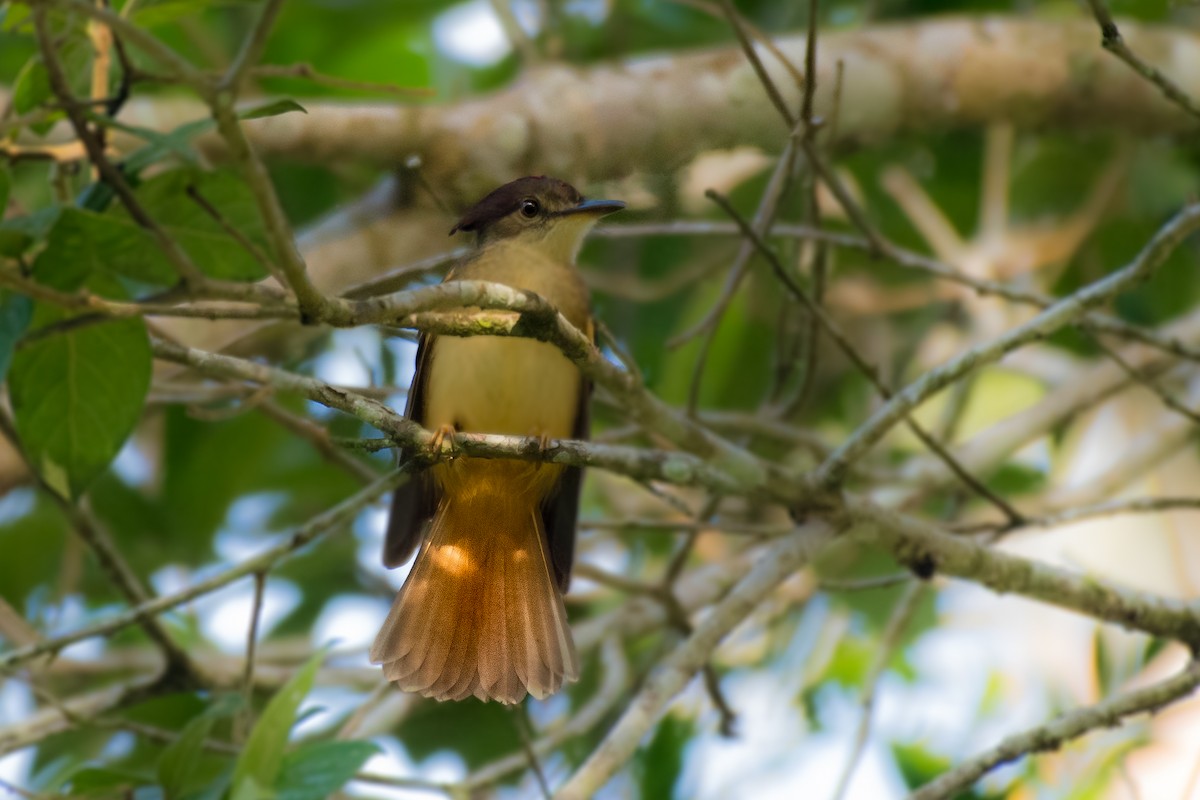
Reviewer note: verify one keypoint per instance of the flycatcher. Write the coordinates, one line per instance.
(482, 611)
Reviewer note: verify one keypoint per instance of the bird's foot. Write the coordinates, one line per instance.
(544, 440)
(440, 435)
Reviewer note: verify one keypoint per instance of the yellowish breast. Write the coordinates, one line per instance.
(505, 385)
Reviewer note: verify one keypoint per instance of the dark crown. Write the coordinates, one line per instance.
(505, 200)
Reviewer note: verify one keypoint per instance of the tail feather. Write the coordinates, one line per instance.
(480, 613)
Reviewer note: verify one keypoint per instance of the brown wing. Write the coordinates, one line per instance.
(413, 503)
(560, 511)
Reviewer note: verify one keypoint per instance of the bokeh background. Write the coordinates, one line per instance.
(209, 479)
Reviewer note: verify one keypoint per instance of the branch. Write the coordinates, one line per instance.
(833, 330)
(614, 679)
(341, 514)
(1114, 43)
(670, 467)
(1084, 390)
(50, 721)
(1052, 735)
(1061, 314)
(535, 319)
(178, 663)
(932, 75)
(901, 616)
(178, 68)
(677, 669)
(252, 48)
(928, 549)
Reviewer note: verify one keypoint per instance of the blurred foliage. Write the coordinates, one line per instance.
(201, 485)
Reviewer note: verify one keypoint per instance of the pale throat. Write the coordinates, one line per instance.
(562, 239)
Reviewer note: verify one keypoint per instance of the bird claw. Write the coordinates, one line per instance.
(440, 434)
(544, 440)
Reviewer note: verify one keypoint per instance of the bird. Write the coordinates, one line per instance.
(481, 613)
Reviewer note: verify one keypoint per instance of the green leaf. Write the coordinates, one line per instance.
(161, 145)
(168, 143)
(31, 87)
(15, 312)
(917, 765)
(1013, 478)
(436, 726)
(105, 782)
(18, 233)
(185, 220)
(151, 13)
(273, 109)
(851, 661)
(179, 760)
(13, 242)
(32, 543)
(12, 16)
(661, 762)
(84, 243)
(259, 765)
(5, 187)
(1104, 662)
(203, 472)
(76, 396)
(317, 770)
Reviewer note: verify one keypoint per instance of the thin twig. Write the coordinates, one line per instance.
(1139, 377)
(241, 726)
(914, 261)
(397, 279)
(843, 343)
(811, 339)
(1077, 513)
(127, 583)
(308, 72)
(901, 616)
(716, 11)
(252, 48)
(920, 544)
(318, 526)
(1061, 314)
(1053, 734)
(764, 78)
(320, 439)
(1115, 44)
(764, 216)
(95, 150)
(250, 247)
(179, 666)
(879, 245)
(525, 734)
(178, 67)
(676, 670)
(614, 678)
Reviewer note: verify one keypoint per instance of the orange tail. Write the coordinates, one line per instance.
(480, 614)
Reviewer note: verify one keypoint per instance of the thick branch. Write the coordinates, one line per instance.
(593, 123)
(923, 546)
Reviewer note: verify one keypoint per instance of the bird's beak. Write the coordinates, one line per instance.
(597, 207)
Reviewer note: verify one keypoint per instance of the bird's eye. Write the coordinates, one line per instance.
(530, 208)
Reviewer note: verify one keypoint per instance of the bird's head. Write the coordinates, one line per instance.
(545, 213)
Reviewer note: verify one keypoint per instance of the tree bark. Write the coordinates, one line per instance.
(656, 113)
